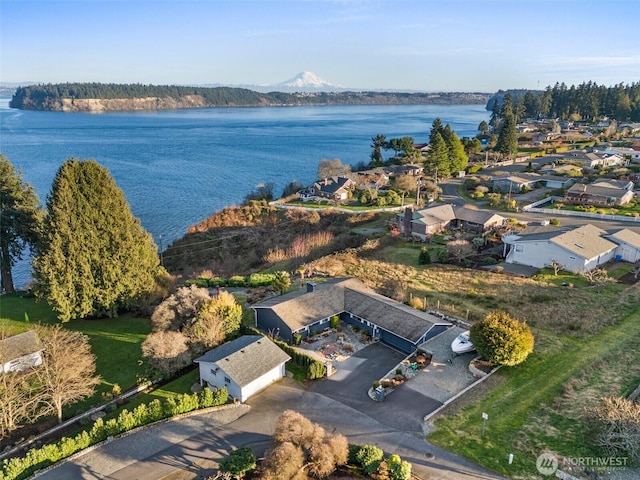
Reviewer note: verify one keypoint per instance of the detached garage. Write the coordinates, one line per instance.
(244, 366)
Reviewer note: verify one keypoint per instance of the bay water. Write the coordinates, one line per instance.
(178, 167)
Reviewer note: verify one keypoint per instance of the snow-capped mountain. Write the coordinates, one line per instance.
(308, 81)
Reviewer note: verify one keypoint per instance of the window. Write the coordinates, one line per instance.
(227, 380)
(214, 371)
(519, 248)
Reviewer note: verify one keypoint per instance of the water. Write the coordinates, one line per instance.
(178, 167)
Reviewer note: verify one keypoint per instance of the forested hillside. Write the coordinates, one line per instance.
(101, 96)
(589, 101)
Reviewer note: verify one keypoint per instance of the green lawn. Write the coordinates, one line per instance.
(114, 341)
(526, 412)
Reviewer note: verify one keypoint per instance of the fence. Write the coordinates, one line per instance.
(533, 208)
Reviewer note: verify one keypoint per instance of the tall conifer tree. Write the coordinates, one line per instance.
(20, 218)
(94, 257)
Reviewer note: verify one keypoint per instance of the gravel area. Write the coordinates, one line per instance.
(447, 374)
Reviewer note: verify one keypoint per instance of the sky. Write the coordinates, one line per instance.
(422, 45)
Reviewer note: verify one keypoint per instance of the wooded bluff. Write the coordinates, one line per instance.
(97, 97)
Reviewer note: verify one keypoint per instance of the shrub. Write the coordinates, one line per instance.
(417, 303)
(501, 339)
(297, 338)
(238, 462)
(376, 384)
(489, 261)
(398, 468)
(334, 321)
(260, 279)
(554, 222)
(424, 258)
(316, 370)
(237, 281)
(369, 458)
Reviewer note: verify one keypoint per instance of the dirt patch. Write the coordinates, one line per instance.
(629, 279)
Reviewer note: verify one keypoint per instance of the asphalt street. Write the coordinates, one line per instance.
(190, 448)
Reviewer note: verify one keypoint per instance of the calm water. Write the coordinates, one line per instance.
(178, 167)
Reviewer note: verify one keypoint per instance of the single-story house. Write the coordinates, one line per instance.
(20, 352)
(310, 310)
(244, 366)
(477, 220)
(332, 188)
(611, 183)
(517, 183)
(425, 222)
(580, 249)
(563, 170)
(592, 159)
(375, 178)
(632, 153)
(628, 245)
(411, 169)
(598, 195)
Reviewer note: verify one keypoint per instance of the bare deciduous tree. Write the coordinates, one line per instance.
(179, 309)
(557, 266)
(460, 249)
(67, 373)
(304, 449)
(167, 351)
(618, 420)
(332, 168)
(598, 277)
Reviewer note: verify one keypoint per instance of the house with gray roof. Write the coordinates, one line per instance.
(310, 310)
(579, 249)
(427, 221)
(20, 352)
(604, 194)
(243, 366)
(628, 245)
(331, 188)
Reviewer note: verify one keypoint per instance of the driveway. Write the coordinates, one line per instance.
(403, 410)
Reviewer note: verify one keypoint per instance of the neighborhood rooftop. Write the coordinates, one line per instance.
(302, 308)
(20, 345)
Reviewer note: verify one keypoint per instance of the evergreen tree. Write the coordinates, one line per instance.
(379, 142)
(436, 127)
(438, 157)
(483, 128)
(20, 217)
(458, 158)
(94, 257)
(507, 138)
(281, 282)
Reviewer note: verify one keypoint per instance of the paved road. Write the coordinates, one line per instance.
(190, 448)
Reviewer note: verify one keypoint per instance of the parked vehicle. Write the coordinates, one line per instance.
(462, 344)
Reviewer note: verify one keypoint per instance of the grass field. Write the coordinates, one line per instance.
(114, 341)
(541, 405)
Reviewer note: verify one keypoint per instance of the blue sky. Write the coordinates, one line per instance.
(445, 45)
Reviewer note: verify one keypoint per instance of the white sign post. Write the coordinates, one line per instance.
(485, 417)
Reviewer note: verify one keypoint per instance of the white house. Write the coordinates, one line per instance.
(580, 249)
(20, 352)
(628, 245)
(244, 366)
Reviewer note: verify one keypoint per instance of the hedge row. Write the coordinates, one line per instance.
(253, 280)
(315, 369)
(144, 414)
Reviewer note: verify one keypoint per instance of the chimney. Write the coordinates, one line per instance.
(408, 216)
(326, 181)
(311, 287)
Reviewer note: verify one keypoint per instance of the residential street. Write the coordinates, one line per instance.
(189, 448)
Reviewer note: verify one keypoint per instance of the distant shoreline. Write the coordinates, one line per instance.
(96, 98)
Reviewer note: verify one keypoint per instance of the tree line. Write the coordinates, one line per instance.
(49, 96)
(588, 100)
